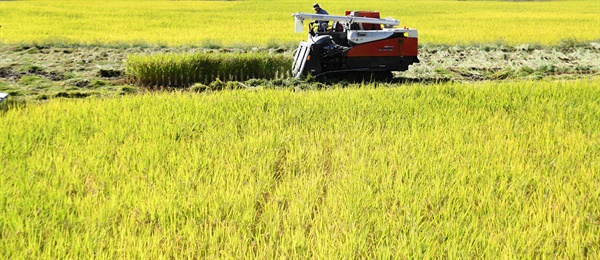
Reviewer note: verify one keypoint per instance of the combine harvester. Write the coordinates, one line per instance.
(3, 96)
(358, 43)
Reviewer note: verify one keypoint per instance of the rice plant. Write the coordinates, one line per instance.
(183, 70)
(257, 22)
(480, 170)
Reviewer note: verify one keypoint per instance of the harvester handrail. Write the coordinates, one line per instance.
(347, 19)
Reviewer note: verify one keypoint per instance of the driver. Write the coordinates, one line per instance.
(322, 24)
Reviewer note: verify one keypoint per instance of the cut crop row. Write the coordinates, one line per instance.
(183, 70)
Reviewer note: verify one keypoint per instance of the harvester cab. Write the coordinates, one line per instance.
(359, 42)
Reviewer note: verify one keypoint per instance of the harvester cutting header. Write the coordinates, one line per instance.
(357, 42)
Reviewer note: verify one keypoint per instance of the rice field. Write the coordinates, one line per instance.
(269, 23)
(478, 170)
(483, 169)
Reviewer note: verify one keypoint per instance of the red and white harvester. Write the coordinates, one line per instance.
(359, 42)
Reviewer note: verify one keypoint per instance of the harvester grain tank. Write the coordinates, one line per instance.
(359, 42)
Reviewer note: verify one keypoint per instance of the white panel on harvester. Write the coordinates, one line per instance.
(3, 96)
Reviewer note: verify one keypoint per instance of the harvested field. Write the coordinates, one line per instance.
(41, 72)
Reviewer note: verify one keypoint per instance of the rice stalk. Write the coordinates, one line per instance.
(185, 69)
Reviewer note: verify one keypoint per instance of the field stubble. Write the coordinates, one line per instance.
(41, 72)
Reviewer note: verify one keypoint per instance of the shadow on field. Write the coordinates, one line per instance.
(403, 80)
(382, 80)
(8, 104)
